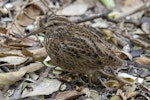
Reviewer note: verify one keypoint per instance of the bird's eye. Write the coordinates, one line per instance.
(45, 20)
(54, 24)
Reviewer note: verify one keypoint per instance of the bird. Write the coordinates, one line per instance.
(75, 48)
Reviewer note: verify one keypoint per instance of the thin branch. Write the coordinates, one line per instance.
(137, 41)
(134, 10)
(44, 2)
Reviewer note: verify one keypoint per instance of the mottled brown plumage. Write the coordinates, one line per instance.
(74, 48)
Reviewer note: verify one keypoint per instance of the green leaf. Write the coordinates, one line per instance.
(108, 3)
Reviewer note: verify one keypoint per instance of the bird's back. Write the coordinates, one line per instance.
(76, 49)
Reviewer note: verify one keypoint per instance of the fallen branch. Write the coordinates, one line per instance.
(137, 41)
(135, 9)
(105, 16)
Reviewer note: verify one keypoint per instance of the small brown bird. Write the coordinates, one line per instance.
(75, 48)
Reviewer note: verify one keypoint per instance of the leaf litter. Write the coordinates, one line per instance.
(26, 76)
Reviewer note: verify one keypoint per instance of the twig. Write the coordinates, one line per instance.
(137, 65)
(105, 16)
(13, 23)
(44, 2)
(137, 41)
(114, 77)
(91, 18)
(136, 9)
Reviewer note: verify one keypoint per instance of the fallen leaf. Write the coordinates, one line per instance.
(108, 3)
(32, 67)
(138, 52)
(3, 30)
(116, 97)
(130, 78)
(14, 60)
(75, 9)
(124, 55)
(110, 36)
(121, 94)
(143, 61)
(33, 11)
(43, 86)
(68, 95)
(39, 54)
(10, 52)
(132, 94)
(10, 78)
(95, 95)
(130, 88)
(112, 83)
(113, 14)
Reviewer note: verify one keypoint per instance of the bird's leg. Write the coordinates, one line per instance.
(92, 78)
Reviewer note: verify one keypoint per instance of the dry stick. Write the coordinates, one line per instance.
(44, 2)
(13, 23)
(137, 41)
(137, 65)
(104, 16)
(135, 9)
(91, 18)
(114, 77)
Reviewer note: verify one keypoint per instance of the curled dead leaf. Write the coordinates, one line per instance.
(112, 83)
(28, 15)
(130, 78)
(143, 61)
(32, 67)
(68, 95)
(10, 78)
(75, 9)
(10, 52)
(124, 55)
(3, 30)
(39, 54)
(14, 60)
(43, 86)
(110, 36)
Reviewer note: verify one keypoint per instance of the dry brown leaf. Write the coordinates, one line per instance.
(143, 61)
(122, 94)
(75, 9)
(41, 6)
(68, 95)
(28, 16)
(14, 60)
(39, 54)
(3, 30)
(11, 52)
(131, 79)
(32, 67)
(27, 53)
(132, 94)
(10, 78)
(110, 35)
(130, 3)
(43, 86)
(116, 97)
(112, 83)
(94, 94)
(22, 44)
(123, 54)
